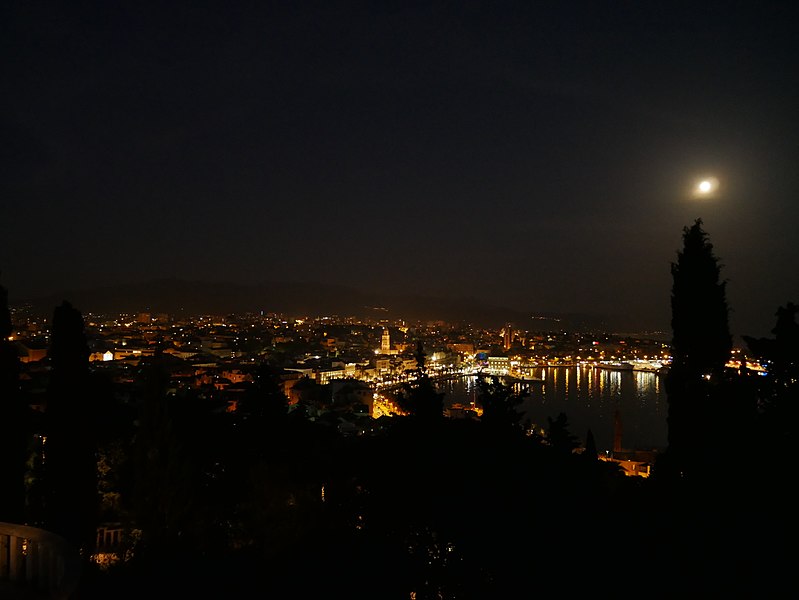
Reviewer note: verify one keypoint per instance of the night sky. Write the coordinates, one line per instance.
(534, 155)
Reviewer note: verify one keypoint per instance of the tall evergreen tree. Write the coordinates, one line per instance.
(72, 501)
(420, 398)
(265, 402)
(701, 346)
(590, 451)
(559, 435)
(500, 404)
(701, 340)
(14, 423)
(168, 463)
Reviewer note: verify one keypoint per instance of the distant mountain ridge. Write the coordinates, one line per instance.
(178, 296)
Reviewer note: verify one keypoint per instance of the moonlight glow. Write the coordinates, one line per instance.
(706, 187)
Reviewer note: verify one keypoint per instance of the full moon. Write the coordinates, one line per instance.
(706, 187)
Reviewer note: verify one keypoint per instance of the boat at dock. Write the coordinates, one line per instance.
(614, 365)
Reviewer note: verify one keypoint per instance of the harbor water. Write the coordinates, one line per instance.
(606, 401)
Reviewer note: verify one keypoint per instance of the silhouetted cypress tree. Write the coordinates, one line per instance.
(500, 404)
(420, 398)
(71, 463)
(260, 437)
(13, 424)
(164, 473)
(701, 340)
(701, 346)
(265, 401)
(559, 435)
(590, 452)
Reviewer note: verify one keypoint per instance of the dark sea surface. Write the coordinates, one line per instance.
(592, 398)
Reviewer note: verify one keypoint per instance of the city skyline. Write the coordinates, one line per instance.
(542, 158)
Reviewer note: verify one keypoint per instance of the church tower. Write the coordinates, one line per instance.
(385, 346)
(507, 336)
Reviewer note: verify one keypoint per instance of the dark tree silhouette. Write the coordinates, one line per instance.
(264, 401)
(70, 468)
(590, 452)
(419, 398)
(500, 404)
(560, 437)
(14, 420)
(701, 346)
(778, 391)
(701, 340)
(784, 361)
(167, 470)
(5, 315)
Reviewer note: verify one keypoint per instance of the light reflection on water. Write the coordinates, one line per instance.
(590, 398)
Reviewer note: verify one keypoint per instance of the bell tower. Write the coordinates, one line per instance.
(385, 345)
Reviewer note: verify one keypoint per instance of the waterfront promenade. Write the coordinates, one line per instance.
(618, 405)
